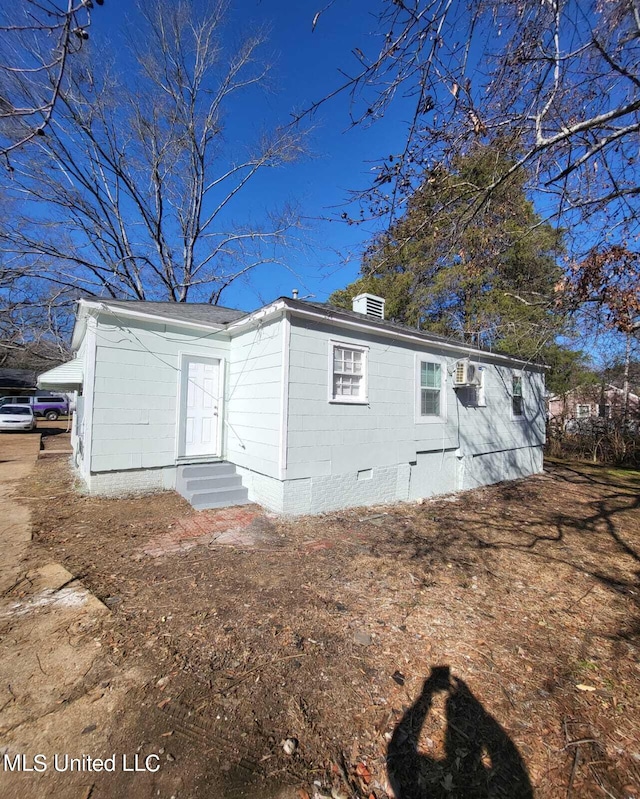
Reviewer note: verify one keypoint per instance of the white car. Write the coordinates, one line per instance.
(17, 417)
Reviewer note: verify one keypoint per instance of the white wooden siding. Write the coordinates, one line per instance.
(137, 390)
(254, 399)
(327, 438)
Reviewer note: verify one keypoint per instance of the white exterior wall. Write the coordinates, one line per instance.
(136, 396)
(342, 455)
(266, 491)
(77, 421)
(135, 405)
(296, 451)
(254, 401)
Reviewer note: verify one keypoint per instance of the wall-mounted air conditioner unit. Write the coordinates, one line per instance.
(466, 374)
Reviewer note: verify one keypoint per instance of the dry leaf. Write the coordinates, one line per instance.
(582, 687)
(363, 772)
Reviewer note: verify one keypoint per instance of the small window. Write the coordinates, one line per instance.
(348, 374)
(430, 400)
(604, 411)
(583, 411)
(517, 404)
(430, 387)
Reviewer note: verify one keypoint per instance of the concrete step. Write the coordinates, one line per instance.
(211, 485)
(217, 468)
(222, 498)
(215, 482)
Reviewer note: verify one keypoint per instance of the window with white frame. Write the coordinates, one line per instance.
(430, 399)
(517, 400)
(348, 373)
(583, 411)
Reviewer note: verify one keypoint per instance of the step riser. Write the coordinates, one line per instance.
(207, 470)
(229, 497)
(206, 483)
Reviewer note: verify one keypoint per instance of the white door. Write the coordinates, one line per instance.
(200, 398)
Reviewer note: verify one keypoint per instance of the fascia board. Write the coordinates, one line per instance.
(253, 319)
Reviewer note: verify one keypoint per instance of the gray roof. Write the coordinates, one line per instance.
(332, 311)
(188, 311)
(17, 379)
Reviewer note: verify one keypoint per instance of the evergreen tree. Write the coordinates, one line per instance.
(484, 271)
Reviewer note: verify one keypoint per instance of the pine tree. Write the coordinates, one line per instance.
(485, 272)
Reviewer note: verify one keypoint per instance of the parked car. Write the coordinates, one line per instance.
(17, 417)
(42, 405)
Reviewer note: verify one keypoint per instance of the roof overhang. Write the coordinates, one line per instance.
(88, 308)
(296, 309)
(66, 377)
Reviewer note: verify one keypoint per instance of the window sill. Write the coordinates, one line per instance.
(347, 401)
(431, 419)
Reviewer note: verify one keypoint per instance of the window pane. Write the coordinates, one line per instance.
(346, 386)
(517, 386)
(517, 406)
(347, 361)
(430, 375)
(430, 404)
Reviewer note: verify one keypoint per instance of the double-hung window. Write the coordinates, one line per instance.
(517, 399)
(430, 401)
(348, 373)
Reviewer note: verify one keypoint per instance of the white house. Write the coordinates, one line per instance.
(299, 406)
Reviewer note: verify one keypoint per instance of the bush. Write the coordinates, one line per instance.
(598, 440)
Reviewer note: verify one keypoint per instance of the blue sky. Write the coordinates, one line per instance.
(306, 67)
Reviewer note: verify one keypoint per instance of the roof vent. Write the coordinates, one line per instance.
(370, 305)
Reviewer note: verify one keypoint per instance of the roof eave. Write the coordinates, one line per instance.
(117, 311)
(370, 325)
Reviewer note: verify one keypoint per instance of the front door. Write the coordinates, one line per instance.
(200, 401)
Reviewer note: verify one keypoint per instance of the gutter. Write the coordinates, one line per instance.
(405, 336)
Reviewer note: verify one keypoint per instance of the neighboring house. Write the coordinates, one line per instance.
(590, 402)
(303, 407)
(17, 381)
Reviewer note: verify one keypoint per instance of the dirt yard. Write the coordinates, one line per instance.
(479, 645)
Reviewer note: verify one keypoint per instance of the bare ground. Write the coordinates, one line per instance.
(323, 631)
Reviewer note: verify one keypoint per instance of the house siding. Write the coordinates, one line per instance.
(342, 455)
(254, 416)
(296, 451)
(136, 396)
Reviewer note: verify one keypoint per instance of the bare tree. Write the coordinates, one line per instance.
(37, 38)
(133, 191)
(560, 78)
